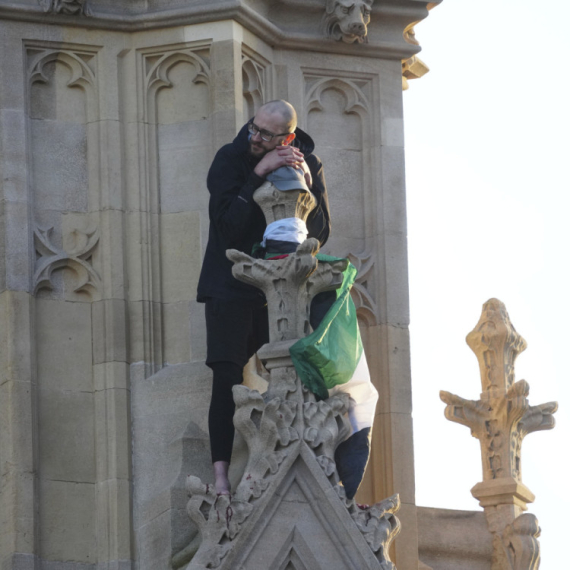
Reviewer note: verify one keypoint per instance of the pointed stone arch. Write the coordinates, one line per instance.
(253, 86)
(157, 68)
(81, 74)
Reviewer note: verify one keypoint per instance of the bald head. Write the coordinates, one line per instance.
(286, 112)
(276, 121)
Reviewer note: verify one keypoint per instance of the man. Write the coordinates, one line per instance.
(236, 313)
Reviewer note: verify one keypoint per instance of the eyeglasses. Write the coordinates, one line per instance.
(265, 135)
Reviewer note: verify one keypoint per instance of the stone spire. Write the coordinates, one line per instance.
(500, 420)
(289, 509)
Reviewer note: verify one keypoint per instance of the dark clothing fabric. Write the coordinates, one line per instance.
(222, 408)
(237, 222)
(351, 458)
(236, 313)
(235, 330)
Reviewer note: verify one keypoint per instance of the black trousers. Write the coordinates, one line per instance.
(236, 329)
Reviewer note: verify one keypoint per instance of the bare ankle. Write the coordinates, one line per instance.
(221, 479)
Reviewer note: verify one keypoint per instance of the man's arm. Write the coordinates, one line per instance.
(231, 197)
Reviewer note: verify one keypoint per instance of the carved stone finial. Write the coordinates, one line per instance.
(291, 283)
(496, 345)
(277, 205)
(347, 20)
(500, 420)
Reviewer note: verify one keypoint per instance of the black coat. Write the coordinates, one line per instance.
(237, 222)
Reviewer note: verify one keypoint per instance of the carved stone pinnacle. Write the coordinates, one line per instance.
(496, 345)
(290, 436)
(500, 420)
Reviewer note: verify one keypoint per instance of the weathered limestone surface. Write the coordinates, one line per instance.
(110, 114)
(453, 540)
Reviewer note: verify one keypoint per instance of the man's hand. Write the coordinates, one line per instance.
(283, 155)
(307, 173)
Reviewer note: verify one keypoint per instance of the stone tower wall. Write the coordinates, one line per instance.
(110, 114)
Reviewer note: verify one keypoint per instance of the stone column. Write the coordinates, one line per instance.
(112, 388)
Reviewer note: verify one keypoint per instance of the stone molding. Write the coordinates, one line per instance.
(273, 31)
(75, 226)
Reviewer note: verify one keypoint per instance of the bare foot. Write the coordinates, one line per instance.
(221, 481)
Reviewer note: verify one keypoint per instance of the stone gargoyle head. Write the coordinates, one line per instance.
(346, 20)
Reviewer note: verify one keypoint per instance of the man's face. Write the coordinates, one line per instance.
(272, 123)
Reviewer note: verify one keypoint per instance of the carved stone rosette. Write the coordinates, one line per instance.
(500, 420)
(290, 436)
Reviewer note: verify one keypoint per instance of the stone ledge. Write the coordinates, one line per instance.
(453, 540)
(401, 14)
(31, 562)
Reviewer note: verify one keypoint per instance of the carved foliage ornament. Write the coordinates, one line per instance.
(268, 430)
(347, 20)
(274, 429)
(70, 7)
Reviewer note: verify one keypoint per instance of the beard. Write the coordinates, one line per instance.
(257, 150)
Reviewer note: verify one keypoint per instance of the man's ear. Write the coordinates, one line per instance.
(289, 138)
